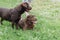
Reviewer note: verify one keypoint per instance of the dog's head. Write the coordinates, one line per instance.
(26, 6)
(31, 19)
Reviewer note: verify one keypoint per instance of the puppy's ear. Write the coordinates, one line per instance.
(28, 17)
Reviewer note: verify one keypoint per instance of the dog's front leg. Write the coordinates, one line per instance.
(25, 27)
(13, 25)
(16, 26)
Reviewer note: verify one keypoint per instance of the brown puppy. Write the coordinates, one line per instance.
(14, 14)
(27, 23)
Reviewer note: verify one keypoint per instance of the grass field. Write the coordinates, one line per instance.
(47, 27)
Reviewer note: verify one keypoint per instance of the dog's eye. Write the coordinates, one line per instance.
(27, 6)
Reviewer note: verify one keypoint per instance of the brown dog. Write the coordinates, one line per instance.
(14, 15)
(27, 23)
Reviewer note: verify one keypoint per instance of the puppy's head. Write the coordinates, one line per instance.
(32, 19)
(26, 6)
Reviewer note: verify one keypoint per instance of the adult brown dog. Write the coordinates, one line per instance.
(27, 23)
(14, 15)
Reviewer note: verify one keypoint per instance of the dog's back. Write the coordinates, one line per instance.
(3, 11)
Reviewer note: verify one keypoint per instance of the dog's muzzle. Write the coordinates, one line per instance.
(28, 9)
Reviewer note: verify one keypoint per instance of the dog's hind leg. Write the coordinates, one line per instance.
(1, 21)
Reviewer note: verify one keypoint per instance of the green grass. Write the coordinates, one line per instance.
(47, 28)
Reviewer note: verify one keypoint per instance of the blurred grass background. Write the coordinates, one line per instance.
(47, 28)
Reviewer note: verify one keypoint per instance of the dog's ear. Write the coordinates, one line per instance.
(25, 4)
(29, 17)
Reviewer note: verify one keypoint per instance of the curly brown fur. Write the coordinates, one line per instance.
(27, 23)
(14, 15)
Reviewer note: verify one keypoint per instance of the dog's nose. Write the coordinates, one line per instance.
(29, 8)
